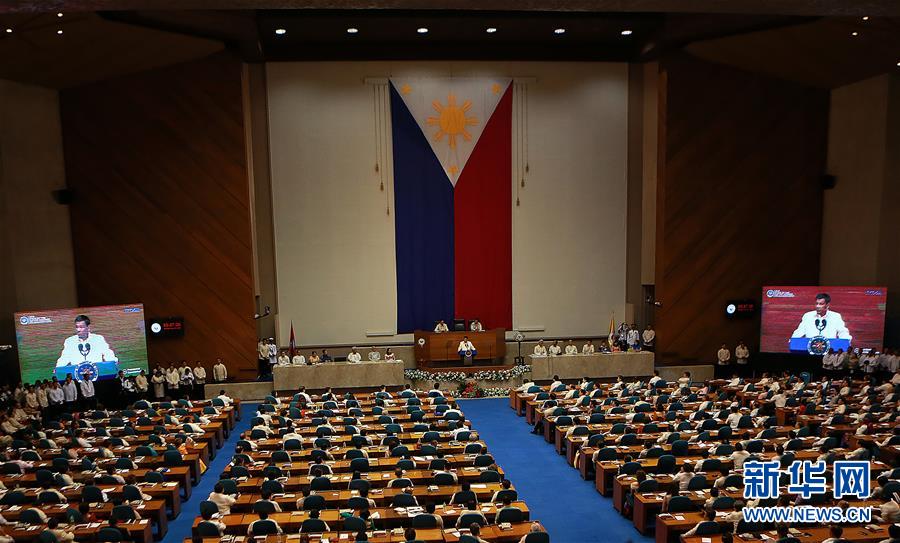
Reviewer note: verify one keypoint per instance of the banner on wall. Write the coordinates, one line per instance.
(452, 154)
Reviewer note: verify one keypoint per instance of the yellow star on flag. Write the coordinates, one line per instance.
(452, 170)
(496, 88)
(405, 89)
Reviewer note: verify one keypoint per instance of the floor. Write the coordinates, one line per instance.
(180, 528)
(568, 506)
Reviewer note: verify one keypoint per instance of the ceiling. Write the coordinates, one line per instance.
(808, 41)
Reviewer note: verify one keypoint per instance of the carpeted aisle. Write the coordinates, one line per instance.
(180, 528)
(569, 507)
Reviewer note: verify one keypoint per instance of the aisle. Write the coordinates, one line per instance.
(569, 507)
(180, 528)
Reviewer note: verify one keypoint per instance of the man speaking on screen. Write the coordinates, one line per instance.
(822, 322)
(84, 346)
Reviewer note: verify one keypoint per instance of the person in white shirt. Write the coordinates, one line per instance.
(734, 418)
(374, 355)
(222, 500)
(656, 378)
(822, 321)
(588, 348)
(648, 337)
(739, 455)
(571, 348)
(555, 349)
(684, 476)
(159, 381)
(173, 379)
(741, 353)
(273, 352)
(475, 326)
(199, 373)
(225, 398)
(284, 359)
(299, 359)
(389, 355)
(465, 347)
(84, 346)
(724, 355)
(539, 349)
(220, 372)
(70, 393)
(354, 357)
(87, 393)
(634, 338)
(441, 327)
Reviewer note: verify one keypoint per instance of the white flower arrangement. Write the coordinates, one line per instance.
(459, 376)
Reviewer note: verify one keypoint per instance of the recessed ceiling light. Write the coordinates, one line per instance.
(490, 30)
(9, 30)
(626, 32)
(422, 30)
(865, 18)
(280, 31)
(60, 14)
(352, 30)
(59, 32)
(854, 34)
(898, 63)
(559, 31)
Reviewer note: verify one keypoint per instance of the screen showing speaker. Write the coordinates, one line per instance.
(87, 342)
(813, 320)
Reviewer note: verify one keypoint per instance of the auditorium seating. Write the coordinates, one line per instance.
(631, 439)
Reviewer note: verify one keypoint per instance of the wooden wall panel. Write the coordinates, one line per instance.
(739, 200)
(161, 211)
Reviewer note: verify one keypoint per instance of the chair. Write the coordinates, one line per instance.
(320, 483)
(274, 486)
(489, 476)
(629, 468)
(207, 529)
(733, 481)
(424, 521)
(124, 512)
(109, 534)
(483, 460)
(723, 503)
(537, 537)
(697, 482)
(279, 456)
(92, 494)
(30, 516)
(207, 506)
(172, 458)
(444, 479)
(680, 504)
(263, 506)
(708, 527)
(312, 525)
(404, 500)
(46, 537)
(264, 527)
(354, 524)
(466, 519)
(44, 475)
(314, 501)
(154, 477)
(648, 485)
(665, 464)
(48, 497)
(472, 448)
(229, 486)
(680, 448)
(510, 514)
(628, 439)
(607, 453)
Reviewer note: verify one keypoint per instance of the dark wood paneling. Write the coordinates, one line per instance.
(739, 200)
(161, 204)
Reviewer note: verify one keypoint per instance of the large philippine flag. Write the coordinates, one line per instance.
(452, 150)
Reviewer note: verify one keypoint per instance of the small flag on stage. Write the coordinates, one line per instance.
(293, 343)
(612, 327)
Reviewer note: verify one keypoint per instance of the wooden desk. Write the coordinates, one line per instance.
(441, 347)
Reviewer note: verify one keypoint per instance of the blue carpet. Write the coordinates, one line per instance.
(180, 528)
(569, 507)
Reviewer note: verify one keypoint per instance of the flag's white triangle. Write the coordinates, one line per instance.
(452, 114)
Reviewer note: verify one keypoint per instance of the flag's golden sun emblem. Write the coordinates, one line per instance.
(452, 120)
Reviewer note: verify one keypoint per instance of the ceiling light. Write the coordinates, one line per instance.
(422, 30)
(280, 31)
(352, 30)
(559, 31)
(9, 30)
(490, 30)
(626, 32)
(865, 18)
(59, 32)
(854, 34)
(59, 14)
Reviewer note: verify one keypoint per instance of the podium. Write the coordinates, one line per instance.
(433, 349)
(812, 345)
